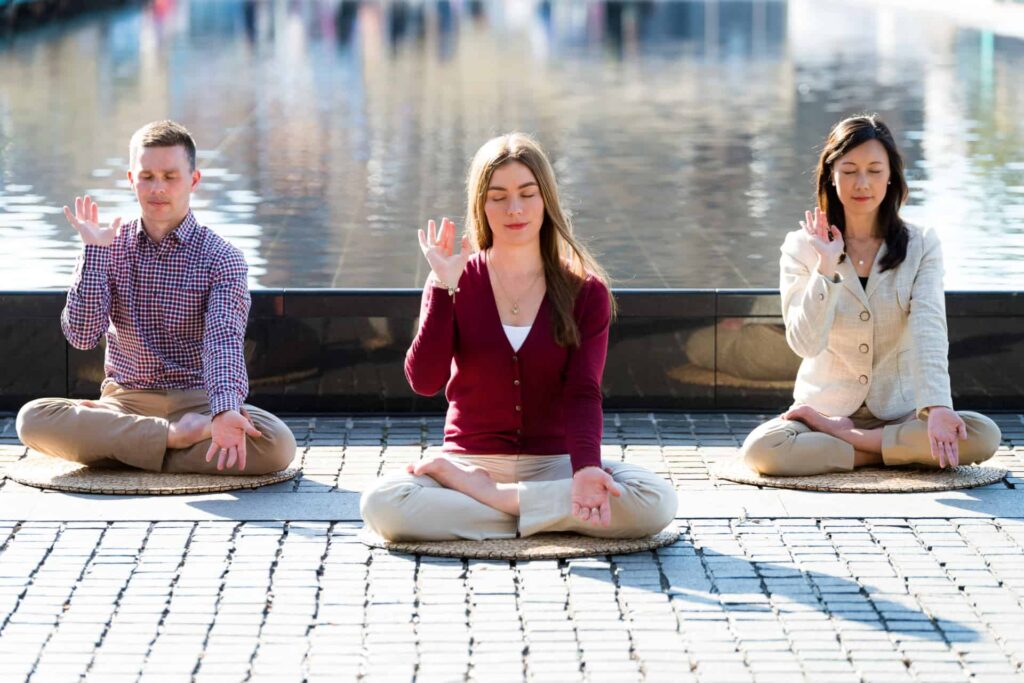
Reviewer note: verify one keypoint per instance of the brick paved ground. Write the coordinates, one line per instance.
(873, 597)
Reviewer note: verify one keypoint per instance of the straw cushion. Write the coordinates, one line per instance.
(44, 472)
(536, 547)
(868, 479)
(694, 374)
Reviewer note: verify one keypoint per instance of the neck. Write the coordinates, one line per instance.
(861, 227)
(158, 230)
(519, 259)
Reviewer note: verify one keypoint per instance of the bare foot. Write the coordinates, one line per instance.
(188, 430)
(475, 482)
(448, 474)
(818, 422)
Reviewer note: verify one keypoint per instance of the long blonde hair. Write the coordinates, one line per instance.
(566, 262)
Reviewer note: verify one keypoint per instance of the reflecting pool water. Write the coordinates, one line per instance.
(684, 133)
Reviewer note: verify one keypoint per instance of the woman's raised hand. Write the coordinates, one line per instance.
(438, 247)
(826, 239)
(85, 220)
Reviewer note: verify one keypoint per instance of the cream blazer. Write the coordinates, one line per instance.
(886, 347)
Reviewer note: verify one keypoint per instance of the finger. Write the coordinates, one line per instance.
(465, 245)
(584, 513)
(241, 456)
(79, 208)
(606, 514)
(88, 404)
(221, 456)
(934, 449)
(432, 232)
(210, 453)
(71, 217)
(575, 509)
(942, 453)
(613, 489)
(95, 212)
(423, 241)
(809, 223)
(87, 207)
(954, 453)
(232, 457)
(251, 430)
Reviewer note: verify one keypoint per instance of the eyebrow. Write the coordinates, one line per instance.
(502, 189)
(870, 163)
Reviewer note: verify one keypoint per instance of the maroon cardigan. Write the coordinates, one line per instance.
(542, 400)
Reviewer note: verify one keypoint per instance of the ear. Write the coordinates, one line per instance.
(131, 180)
(196, 175)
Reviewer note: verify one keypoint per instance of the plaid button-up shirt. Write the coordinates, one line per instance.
(174, 313)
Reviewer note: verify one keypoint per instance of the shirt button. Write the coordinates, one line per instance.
(863, 348)
(863, 379)
(865, 316)
(519, 409)
(516, 382)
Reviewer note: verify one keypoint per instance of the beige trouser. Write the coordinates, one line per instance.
(131, 428)
(408, 507)
(787, 448)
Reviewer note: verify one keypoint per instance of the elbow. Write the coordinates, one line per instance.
(803, 347)
(83, 343)
(423, 385)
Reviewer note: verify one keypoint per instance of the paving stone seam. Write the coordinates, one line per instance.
(229, 558)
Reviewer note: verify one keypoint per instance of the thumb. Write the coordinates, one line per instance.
(613, 489)
(961, 429)
(251, 430)
(115, 224)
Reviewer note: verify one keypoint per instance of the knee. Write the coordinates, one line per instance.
(381, 510)
(761, 454)
(983, 438)
(29, 421)
(658, 500)
(276, 447)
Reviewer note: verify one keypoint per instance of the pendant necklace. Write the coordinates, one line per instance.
(515, 302)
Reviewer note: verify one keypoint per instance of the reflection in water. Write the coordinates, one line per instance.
(684, 132)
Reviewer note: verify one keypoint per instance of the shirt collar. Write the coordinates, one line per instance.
(181, 234)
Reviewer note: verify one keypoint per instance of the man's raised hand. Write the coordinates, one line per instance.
(438, 247)
(85, 220)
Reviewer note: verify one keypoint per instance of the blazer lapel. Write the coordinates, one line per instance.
(851, 282)
(877, 277)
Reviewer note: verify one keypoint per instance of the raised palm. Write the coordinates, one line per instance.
(826, 239)
(85, 220)
(438, 247)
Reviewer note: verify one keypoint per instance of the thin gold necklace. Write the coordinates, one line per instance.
(515, 302)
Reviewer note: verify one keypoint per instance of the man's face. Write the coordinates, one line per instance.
(163, 183)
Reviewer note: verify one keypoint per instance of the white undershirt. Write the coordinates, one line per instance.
(516, 335)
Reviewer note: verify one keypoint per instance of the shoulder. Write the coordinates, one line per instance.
(594, 297)
(223, 257)
(921, 242)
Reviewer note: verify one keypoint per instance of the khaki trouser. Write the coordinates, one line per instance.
(408, 507)
(131, 426)
(787, 448)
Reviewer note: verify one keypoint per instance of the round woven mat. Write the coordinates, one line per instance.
(536, 547)
(868, 479)
(45, 472)
(694, 374)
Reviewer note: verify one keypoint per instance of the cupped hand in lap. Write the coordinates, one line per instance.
(229, 430)
(592, 489)
(945, 430)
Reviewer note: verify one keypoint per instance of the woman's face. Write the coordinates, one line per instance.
(514, 206)
(861, 177)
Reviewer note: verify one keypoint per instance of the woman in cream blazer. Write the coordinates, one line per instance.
(864, 307)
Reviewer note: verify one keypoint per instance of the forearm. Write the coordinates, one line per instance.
(86, 315)
(428, 361)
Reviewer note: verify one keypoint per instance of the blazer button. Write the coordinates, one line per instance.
(865, 315)
(821, 297)
(863, 379)
(863, 348)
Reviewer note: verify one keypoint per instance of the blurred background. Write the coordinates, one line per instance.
(684, 133)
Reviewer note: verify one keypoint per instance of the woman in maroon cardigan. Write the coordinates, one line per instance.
(516, 333)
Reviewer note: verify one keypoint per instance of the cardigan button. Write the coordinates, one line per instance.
(515, 382)
(865, 316)
(515, 359)
(863, 348)
(519, 409)
(863, 379)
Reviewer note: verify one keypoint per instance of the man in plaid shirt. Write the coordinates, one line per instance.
(172, 299)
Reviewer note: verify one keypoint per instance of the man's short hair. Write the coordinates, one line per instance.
(163, 134)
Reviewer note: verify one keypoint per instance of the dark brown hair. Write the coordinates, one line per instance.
(846, 135)
(163, 134)
(566, 262)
